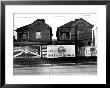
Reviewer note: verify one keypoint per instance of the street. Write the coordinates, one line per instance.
(57, 69)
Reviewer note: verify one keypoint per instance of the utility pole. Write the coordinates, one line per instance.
(76, 44)
(93, 38)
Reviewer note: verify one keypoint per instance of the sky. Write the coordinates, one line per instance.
(52, 19)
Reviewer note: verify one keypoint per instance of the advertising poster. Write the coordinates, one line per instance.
(55, 51)
(93, 51)
(87, 51)
(27, 52)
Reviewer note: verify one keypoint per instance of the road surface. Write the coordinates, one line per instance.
(56, 69)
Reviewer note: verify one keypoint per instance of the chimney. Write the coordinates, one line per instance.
(41, 20)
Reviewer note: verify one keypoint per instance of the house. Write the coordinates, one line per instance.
(38, 32)
(78, 31)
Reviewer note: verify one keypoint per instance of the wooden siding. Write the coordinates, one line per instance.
(84, 31)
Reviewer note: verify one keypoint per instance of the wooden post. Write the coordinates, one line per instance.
(76, 44)
(93, 38)
(28, 36)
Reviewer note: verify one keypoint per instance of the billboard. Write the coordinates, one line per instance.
(93, 51)
(44, 51)
(81, 51)
(56, 51)
(27, 51)
(87, 51)
(90, 51)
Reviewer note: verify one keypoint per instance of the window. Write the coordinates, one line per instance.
(24, 37)
(38, 35)
(65, 35)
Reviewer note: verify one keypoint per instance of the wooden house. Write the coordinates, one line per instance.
(78, 31)
(38, 33)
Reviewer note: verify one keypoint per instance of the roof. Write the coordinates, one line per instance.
(23, 28)
(41, 22)
(84, 21)
(32, 25)
(71, 23)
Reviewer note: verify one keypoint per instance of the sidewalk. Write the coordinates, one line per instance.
(58, 64)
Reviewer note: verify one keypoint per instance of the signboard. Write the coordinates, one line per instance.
(93, 51)
(55, 51)
(44, 51)
(81, 51)
(27, 51)
(87, 51)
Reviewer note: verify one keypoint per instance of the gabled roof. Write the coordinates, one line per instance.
(71, 23)
(23, 28)
(40, 22)
(81, 19)
(34, 24)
